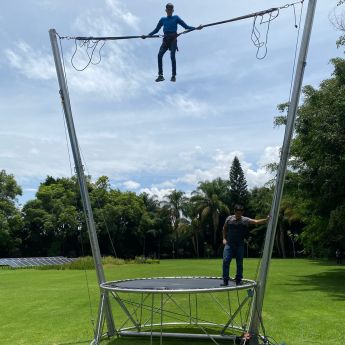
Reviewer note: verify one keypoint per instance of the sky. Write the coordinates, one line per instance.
(147, 136)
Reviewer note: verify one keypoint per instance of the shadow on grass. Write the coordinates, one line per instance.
(326, 263)
(331, 282)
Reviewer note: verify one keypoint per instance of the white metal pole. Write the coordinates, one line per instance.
(278, 192)
(80, 174)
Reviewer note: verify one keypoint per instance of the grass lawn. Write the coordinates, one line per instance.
(304, 303)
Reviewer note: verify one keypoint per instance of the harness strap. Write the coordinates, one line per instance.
(168, 39)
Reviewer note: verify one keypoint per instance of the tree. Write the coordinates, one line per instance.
(52, 221)
(175, 204)
(238, 185)
(338, 22)
(192, 226)
(152, 221)
(10, 217)
(260, 199)
(317, 159)
(208, 201)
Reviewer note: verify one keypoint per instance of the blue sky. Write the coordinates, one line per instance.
(143, 135)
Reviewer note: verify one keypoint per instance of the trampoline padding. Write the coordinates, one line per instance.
(174, 284)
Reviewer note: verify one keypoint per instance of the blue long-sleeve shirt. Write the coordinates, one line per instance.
(170, 25)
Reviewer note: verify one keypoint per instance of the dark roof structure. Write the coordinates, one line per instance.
(31, 262)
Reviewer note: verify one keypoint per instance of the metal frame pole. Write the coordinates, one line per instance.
(272, 225)
(81, 177)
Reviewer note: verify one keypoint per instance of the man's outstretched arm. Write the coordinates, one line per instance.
(158, 27)
(259, 221)
(184, 25)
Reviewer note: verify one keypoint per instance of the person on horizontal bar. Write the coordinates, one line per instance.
(169, 24)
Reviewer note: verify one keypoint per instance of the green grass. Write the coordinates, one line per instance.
(304, 303)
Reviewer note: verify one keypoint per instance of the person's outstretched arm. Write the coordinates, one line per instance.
(158, 27)
(259, 221)
(184, 25)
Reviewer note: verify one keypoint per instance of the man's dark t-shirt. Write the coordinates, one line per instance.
(237, 230)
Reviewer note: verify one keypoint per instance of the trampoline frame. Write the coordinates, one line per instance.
(228, 331)
(259, 290)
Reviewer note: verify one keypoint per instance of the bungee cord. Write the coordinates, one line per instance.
(90, 47)
(91, 44)
(256, 35)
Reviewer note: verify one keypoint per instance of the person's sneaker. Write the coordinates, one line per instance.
(173, 78)
(239, 282)
(225, 283)
(160, 78)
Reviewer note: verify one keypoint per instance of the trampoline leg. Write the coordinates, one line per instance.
(235, 314)
(196, 310)
(152, 307)
(100, 321)
(161, 336)
(190, 309)
(126, 311)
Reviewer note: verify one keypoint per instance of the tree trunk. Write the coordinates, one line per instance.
(277, 244)
(282, 241)
(215, 218)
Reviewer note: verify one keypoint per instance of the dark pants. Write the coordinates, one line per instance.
(164, 47)
(233, 251)
(339, 260)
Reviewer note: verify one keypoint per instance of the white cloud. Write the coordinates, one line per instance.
(129, 18)
(185, 104)
(195, 154)
(30, 189)
(32, 63)
(116, 77)
(159, 193)
(131, 184)
(221, 166)
(34, 151)
(271, 155)
(113, 79)
(165, 185)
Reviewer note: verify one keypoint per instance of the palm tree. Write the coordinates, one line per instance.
(150, 201)
(192, 225)
(175, 203)
(208, 199)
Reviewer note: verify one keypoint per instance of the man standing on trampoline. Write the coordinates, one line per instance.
(169, 24)
(234, 231)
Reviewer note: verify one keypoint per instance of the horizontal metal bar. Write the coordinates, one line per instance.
(177, 335)
(111, 38)
(195, 324)
(256, 14)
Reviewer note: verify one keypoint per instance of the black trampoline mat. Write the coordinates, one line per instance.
(174, 284)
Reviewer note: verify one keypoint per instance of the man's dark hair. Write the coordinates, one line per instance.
(239, 207)
(169, 5)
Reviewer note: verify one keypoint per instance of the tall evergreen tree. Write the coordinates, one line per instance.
(238, 185)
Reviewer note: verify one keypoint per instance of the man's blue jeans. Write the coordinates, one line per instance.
(162, 51)
(233, 251)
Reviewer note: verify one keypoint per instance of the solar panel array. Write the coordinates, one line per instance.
(30, 262)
